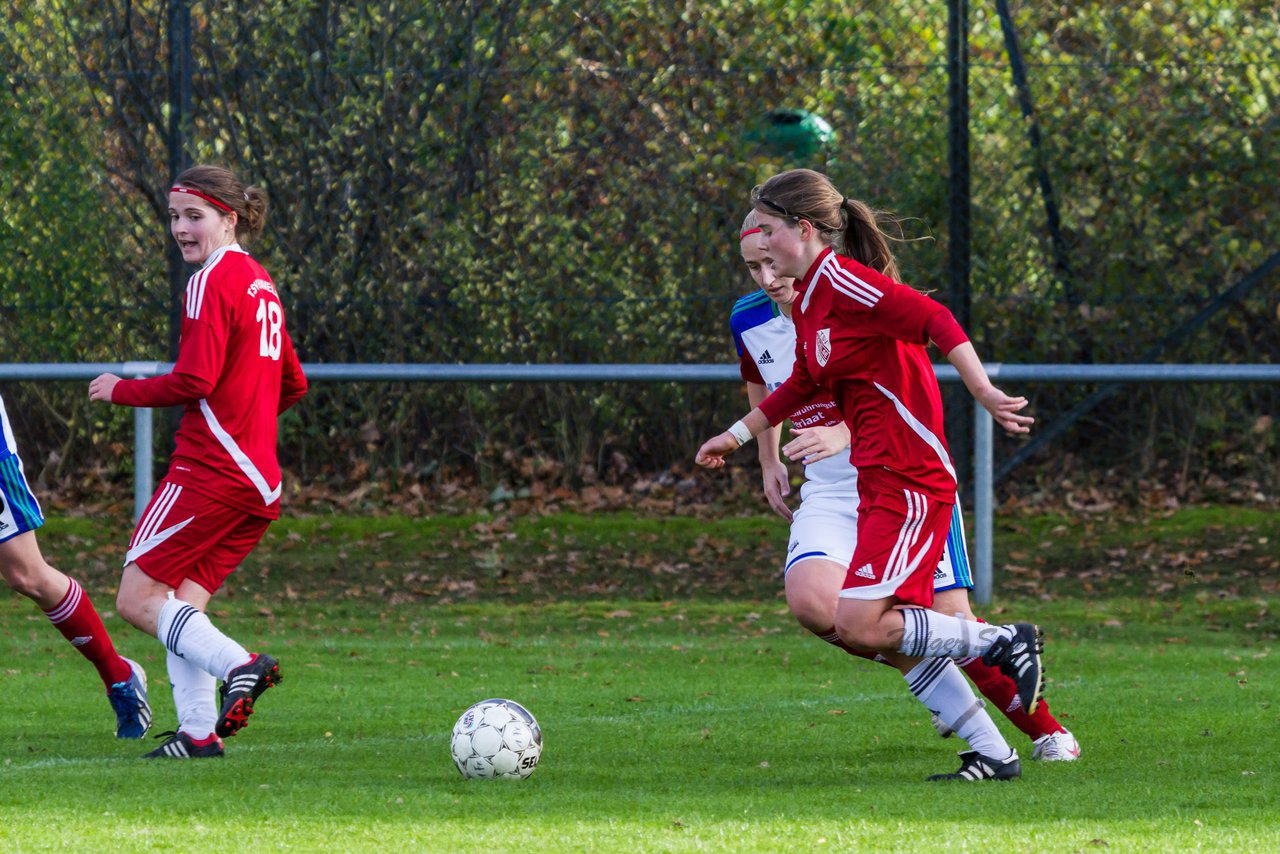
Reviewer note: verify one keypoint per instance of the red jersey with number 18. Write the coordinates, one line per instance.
(236, 372)
(861, 336)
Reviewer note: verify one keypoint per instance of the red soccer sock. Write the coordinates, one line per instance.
(1003, 694)
(831, 637)
(79, 623)
(1001, 691)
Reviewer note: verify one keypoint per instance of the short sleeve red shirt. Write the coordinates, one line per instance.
(861, 335)
(236, 372)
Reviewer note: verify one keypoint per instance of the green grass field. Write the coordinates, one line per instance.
(671, 722)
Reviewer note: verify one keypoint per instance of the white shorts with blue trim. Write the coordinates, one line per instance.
(19, 509)
(825, 527)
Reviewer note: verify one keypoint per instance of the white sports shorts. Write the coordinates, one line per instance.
(825, 527)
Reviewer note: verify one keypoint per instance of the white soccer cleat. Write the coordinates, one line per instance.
(1056, 747)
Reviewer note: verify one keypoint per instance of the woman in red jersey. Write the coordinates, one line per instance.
(824, 527)
(236, 372)
(861, 336)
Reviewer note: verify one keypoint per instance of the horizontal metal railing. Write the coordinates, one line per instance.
(983, 457)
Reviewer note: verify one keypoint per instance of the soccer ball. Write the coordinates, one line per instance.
(496, 738)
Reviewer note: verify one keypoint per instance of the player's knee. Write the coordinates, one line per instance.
(954, 604)
(814, 612)
(127, 607)
(812, 589)
(28, 578)
(22, 581)
(863, 635)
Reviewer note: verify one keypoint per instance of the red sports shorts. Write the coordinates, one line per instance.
(185, 535)
(901, 535)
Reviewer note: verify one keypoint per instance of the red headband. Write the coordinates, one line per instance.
(210, 199)
(749, 231)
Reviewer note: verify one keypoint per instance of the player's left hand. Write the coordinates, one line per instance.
(101, 386)
(817, 443)
(777, 485)
(1004, 409)
(711, 454)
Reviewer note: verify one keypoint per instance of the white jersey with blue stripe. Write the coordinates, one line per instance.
(766, 342)
(768, 336)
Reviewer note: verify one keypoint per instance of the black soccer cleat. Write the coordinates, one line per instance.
(975, 766)
(182, 746)
(1019, 659)
(243, 686)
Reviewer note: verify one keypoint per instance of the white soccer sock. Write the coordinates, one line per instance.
(938, 683)
(185, 631)
(928, 634)
(193, 696)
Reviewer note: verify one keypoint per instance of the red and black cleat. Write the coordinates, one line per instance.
(243, 686)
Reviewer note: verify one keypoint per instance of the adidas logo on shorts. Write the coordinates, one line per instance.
(765, 359)
(865, 572)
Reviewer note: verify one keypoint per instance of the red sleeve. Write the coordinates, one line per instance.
(798, 390)
(293, 383)
(944, 330)
(749, 370)
(201, 353)
(783, 401)
(903, 312)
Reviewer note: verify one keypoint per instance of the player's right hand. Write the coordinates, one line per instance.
(711, 454)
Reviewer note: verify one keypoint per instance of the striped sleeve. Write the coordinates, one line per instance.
(741, 319)
(892, 308)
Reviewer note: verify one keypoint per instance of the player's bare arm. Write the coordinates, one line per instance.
(1003, 408)
(774, 476)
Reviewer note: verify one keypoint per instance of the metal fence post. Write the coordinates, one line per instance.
(959, 224)
(983, 503)
(142, 461)
(143, 433)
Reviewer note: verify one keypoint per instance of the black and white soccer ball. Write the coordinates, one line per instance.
(496, 738)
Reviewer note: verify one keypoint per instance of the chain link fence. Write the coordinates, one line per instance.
(516, 182)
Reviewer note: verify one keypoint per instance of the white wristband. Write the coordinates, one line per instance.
(740, 432)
